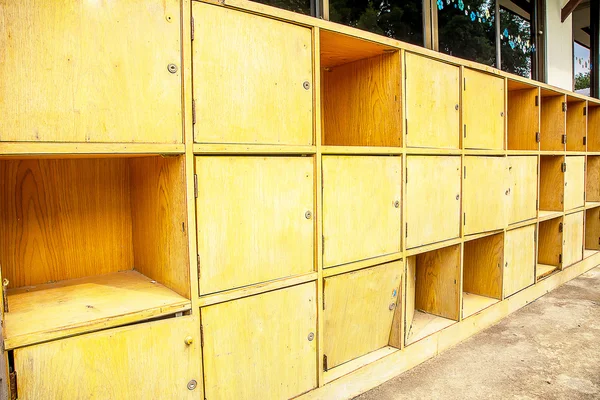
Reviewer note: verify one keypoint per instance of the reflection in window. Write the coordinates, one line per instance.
(466, 29)
(582, 68)
(398, 19)
(517, 47)
(299, 6)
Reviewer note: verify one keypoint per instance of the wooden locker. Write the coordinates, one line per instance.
(592, 229)
(522, 177)
(576, 124)
(574, 182)
(553, 121)
(573, 238)
(519, 259)
(523, 116)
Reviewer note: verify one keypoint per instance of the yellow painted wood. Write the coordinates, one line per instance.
(522, 180)
(358, 311)
(259, 347)
(573, 238)
(90, 72)
(574, 182)
(552, 183)
(474, 303)
(361, 207)
(592, 229)
(576, 124)
(411, 289)
(432, 103)
(593, 127)
(523, 118)
(252, 219)
(483, 261)
(519, 259)
(145, 361)
(483, 115)
(485, 193)
(432, 195)
(249, 77)
(553, 121)
(592, 179)
(550, 242)
(544, 270)
(425, 324)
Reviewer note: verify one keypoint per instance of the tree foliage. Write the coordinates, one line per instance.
(582, 80)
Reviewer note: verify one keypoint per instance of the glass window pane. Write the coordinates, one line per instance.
(299, 6)
(466, 29)
(398, 19)
(582, 68)
(516, 46)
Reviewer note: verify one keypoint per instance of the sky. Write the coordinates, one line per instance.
(581, 52)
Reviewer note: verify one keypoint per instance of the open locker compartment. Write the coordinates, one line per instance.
(552, 184)
(593, 126)
(432, 292)
(523, 116)
(592, 232)
(576, 124)
(592, 180)
(573, 238)
(519, 259)
(550, 247)
(483, 261)
(552, 121)
(523, 188)
(361, 91)
(91, 243)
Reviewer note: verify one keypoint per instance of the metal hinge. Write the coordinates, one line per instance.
(465, 171)
(537, 137)
(193, 112)
(195, 186)
(464, 83)
(563, 167)
(563, 139)
(560, 258)
(201, 335)
(564, 106)
(406, 230)
(465, 130)
(407, 127)
(198, 265)
(324, 362)
(584, 110)
(324, 282)
(406, 176)
(193, 29)
(537, 101)
(537, 204)
(323, 244)
(599, 240)
(5, 294)
(534, 236)
(560, 227)
(13, 385)
(584, 140)
(464, 218)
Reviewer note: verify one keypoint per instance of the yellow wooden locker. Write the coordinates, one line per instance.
(522, 116)
(90, 71)
(592, 230)
(432, 195)
(572, 238)
(263, 346)
(361, 207)
(483, 110)
(550, 247)
(522, 180)
(519, 259)
(574, 182)
(576, 124)
(432, 103)
(252, 78)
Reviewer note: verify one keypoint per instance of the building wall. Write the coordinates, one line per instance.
(559, 46)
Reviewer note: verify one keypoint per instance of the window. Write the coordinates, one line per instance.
(582, 68)
(307, 7)
(516, 46)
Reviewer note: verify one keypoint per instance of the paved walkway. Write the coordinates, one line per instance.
(548, 350)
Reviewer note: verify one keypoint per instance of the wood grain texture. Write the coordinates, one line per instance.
(260, 205)
(411, 291)
(115, 364)
(574, 182)
(271, 357)
(159, 213)
(432, 99)
(90, 72)
(64, 219)
(483, 115)
(360, 219)
(592, 179)
(338, 49)
(593, 128)
(397, 332)
(522, 176)
(573, 238)
(523, 119)
(432, 195)
(474, 303)
(576, 125)
(485, 194)
(483, 262)
(552, 183)
(550, 242)
(544, 270)
(437, 283)
(362, 103)
(592, 229)
(249, 73)
(84, 305)
(519, 259)
(553, 123)
(425, 324)
(357, 314)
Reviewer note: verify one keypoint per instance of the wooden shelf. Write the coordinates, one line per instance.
(591, 204)
(589, 253)
(51, 311)
(424, 324)
(546, 215)
(543, 270)
(473, 303)
(79, 150)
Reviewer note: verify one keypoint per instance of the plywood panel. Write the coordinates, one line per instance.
(358, 312)
(63, 219)
(261, 342)
(485, 194)
(483, 116)
(550, 242)
(362, 103)
(361, 207)
(249, 77)
(519, 259)
(115, 364)
(593, 129)
(437, 283)
(432, 195)
(159, 214)
(411, 291)
(523, 119)
(552, 183)
(432, 103)
(338, 49)
(592, 229)
(574, 182)
(90, 72)
(576, 125)
(260, 205)
(572, 238)
(397, 332)
(522, 175)
(482, 266)
(553, 123)
(592, 182)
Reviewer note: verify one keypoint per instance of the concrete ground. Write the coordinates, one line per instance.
(549, 349)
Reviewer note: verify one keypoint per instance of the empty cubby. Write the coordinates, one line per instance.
(361, 92)
(432, 292)
(592, 231)
(576, 124)
(550, 242)
(592, 179)
(552, 121)
(552, 180)
(92, 243)
(523, 116)
(593, 126)
(573, 238)
(483, 261)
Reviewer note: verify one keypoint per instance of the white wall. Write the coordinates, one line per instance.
(559, 46)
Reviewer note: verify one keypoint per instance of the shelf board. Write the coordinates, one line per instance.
(543, 270)
(362, 150)
(546, 215)
(425, 324)
(54, 310)
(75, 150)
(206, 148)
(591, 204)
(357, 363)
(473, 303)
(588, 253)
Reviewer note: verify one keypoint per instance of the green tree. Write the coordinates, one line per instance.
(582, 80)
